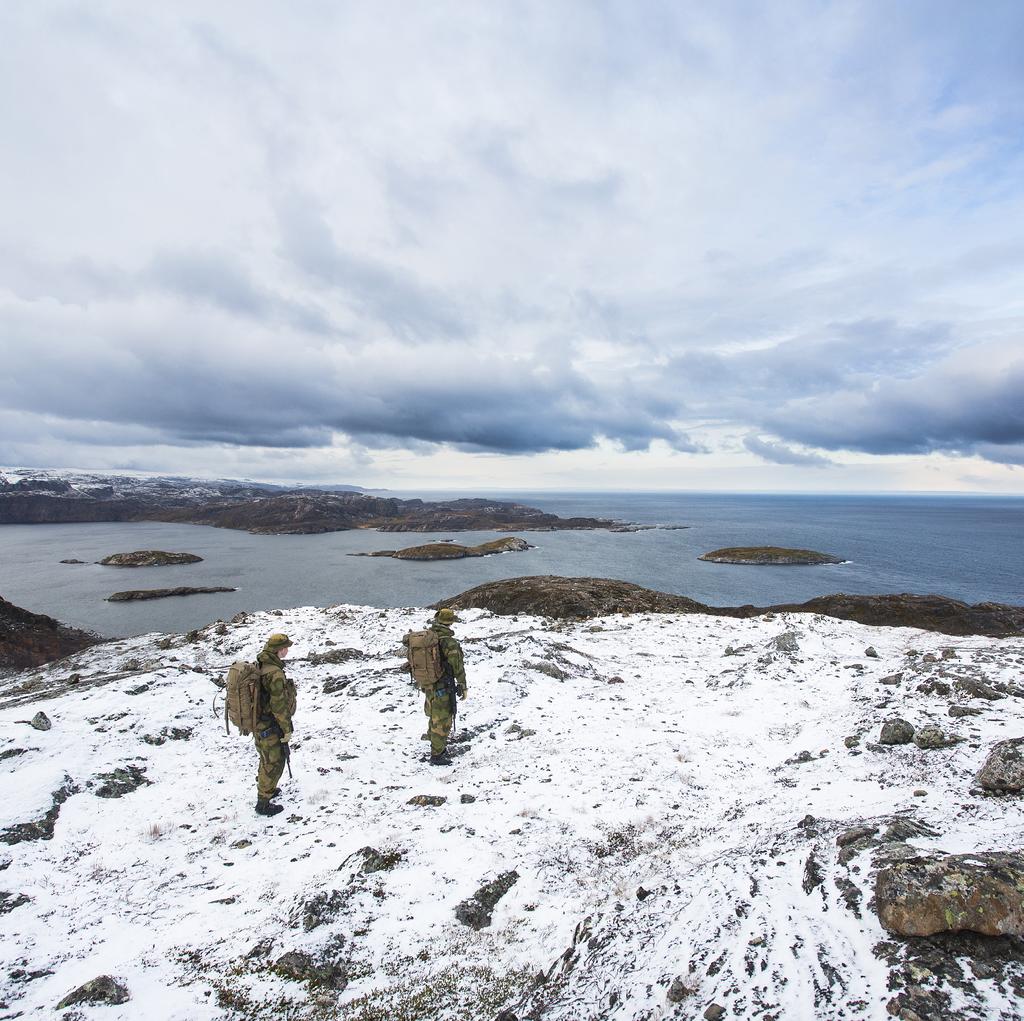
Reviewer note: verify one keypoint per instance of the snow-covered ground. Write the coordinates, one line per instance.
(641, 775)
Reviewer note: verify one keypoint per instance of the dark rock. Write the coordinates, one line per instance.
(896, 731)
(41, 829)
(336, 684)
(767, 555)
(871, 652)
(378, 861)
(467, 799)
(322, 907)
(787, 642)
(678, 990)
(133, 595)
(295, 965)
(931, 737)
(981, 892)
(12, 753)
(854, 834)
(40, 721)
(853, 741)
(970, 688)
(934, 687)
(149, 558)
(10, 901)
(959, 711)
(30, 639)
(121, 781)
(103, 989)
(715, 1012)
(427, 800)
(335, 657)
(476, 911)
(908, 829)
(72, 561)
(1003, 770)
(813, 874)
(168, 734)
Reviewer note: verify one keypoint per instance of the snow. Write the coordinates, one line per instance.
(679, 780)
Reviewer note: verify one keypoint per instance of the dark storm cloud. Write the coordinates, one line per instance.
(969, 407)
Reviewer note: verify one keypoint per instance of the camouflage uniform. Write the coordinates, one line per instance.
(277, 706)
(439, 699)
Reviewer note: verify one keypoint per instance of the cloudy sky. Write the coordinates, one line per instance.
(512, 244)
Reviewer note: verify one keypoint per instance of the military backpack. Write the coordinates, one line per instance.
(426, 663)
(242, 697)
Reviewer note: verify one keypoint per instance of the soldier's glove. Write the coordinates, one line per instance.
(463, 692)
(285, 738)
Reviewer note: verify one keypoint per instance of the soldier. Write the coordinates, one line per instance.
(440, 705)
(274, 730)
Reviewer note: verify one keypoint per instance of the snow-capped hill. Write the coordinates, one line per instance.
(649, 816)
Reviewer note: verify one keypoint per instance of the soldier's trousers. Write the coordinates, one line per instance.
(438, 706)
(271, 763)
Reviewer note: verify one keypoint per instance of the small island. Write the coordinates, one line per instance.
(162, 593)
(149, 558)
(452, 550)
(768, 555)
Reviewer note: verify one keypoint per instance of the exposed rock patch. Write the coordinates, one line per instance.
(149, 558)
(121, 781)
(30, 639)
(103, 989)
(767, 556)
(41, 829)
(477, 911)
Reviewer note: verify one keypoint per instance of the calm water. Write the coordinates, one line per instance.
(971, 548)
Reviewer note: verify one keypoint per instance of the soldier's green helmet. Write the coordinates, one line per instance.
(278, 641)
(446, 615)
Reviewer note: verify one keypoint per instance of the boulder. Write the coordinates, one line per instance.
(934, 737)
(982, 892)
(896, 731)
(1003, 770)
(476, 911)
(102, 989)
(30, 639)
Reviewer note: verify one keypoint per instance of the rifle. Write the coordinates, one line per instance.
(287, 758)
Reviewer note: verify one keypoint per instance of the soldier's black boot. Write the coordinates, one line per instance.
(264, 806)
(444, 759)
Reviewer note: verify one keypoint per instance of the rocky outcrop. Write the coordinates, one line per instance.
(767, 555)
(553, 596)
(981, 892)
(131, 595)
(30, 639)
(1003, 771)
(452, 550)
(476, 911)
(149, 558)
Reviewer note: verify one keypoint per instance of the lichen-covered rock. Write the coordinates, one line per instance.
(102, 989)
(1003, 770)
(476, 911)
(896, 731)
(121, 781)
(982, 892)
(427, 800)
(40, 721)
(971, 688)
(934, 737)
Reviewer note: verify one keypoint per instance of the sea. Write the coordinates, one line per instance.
(966, 547)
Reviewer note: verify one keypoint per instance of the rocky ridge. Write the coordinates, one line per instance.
(562, 598)
(662, 815)
(149, 558)
(41, 498)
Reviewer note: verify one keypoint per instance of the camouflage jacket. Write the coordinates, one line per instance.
(277, 693)
(452, 652)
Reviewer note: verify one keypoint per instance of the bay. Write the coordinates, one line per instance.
(965, 547)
